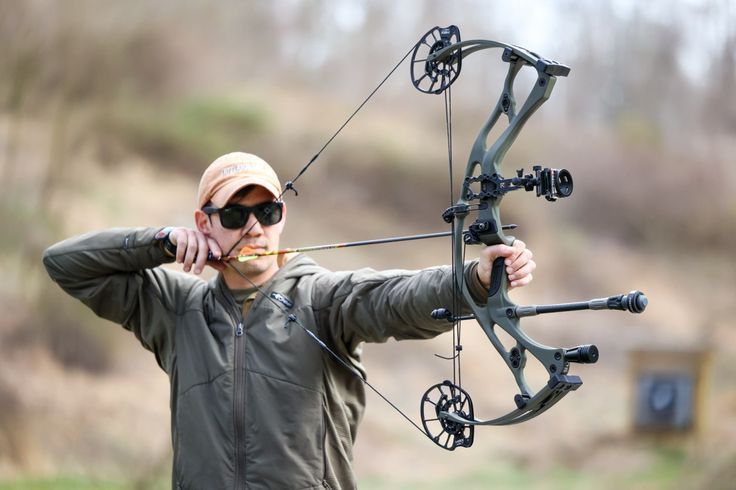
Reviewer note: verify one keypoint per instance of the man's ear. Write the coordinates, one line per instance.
(203, 222)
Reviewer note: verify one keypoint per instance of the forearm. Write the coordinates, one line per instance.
(115, 273)
(372, 306)
(98, 254)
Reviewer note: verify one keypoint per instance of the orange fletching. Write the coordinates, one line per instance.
(247, 251)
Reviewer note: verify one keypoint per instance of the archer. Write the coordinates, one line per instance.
(257, 397)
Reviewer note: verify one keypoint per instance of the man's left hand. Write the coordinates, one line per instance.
(519, 263)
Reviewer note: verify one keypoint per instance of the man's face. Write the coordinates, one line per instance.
(256, 236)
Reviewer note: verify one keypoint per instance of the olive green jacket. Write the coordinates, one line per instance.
(255, 401)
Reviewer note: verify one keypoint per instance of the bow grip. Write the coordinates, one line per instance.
(497, 276)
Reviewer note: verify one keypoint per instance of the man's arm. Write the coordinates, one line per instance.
(368, 305)
(115, 273)
(372, 306)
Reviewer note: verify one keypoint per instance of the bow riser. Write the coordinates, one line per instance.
(488, 162)
(484, 168)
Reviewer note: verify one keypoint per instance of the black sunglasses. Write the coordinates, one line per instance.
(235, 216)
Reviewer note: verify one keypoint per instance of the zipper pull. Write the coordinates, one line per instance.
(239, 330)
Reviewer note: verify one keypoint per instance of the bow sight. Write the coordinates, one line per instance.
(447, 412)
(552, 183)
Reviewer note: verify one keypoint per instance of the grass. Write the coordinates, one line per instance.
(665, 472)
(62, 483)
(80, 482)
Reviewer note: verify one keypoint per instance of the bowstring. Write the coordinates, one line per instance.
(457, 323)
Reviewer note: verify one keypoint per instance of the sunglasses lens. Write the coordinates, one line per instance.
(233, 217)
(268, 213)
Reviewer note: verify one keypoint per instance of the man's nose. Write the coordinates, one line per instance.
(253, 226)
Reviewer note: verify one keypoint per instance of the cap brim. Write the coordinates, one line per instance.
(226, 192)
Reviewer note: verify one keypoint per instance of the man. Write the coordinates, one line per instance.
(256, 402)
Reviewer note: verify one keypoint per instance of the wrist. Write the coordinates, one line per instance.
(164, 239)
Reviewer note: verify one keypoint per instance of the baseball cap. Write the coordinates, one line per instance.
(230, 173)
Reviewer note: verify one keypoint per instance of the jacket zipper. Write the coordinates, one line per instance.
(239, 407)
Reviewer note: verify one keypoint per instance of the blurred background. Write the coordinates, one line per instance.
(109, 112)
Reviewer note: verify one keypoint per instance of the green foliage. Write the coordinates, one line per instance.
(194, 131)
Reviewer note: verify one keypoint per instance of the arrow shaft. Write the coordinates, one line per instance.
(314, 248)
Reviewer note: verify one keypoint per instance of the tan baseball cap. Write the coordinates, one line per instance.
(230, 173)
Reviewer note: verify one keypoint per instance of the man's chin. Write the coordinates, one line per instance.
(254, 268)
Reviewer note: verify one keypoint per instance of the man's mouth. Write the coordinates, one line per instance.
(252, 249)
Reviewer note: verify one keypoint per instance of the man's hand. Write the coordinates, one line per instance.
(192, 248)
(519, 263)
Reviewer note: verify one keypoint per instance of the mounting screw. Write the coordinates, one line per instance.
(505, 103)
(553, 368)
(515, 357)
(558, 356)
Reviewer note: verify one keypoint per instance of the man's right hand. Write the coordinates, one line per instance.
(192, 249)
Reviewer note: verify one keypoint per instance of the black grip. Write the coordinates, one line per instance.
(497, 275)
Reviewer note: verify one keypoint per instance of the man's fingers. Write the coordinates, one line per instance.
(202, 250)
(191, 250)
(179, 238)
(493, 252)
(214, 247)
(521, 282)
(525, 270)
(514, 251)
(518, 262)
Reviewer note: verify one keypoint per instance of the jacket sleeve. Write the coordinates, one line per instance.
(116, 274)
(371, 306)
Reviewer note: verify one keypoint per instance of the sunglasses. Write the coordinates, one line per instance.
(235, 216)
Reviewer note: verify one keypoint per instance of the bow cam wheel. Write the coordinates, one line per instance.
(438, 401)
(434, 76)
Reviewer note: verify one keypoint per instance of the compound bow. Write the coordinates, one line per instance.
(447, 410)
(447, 413)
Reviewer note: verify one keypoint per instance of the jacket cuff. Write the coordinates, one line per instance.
(162, 240)
(476, 288)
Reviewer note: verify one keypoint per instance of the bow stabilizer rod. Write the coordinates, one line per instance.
(634, 302)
